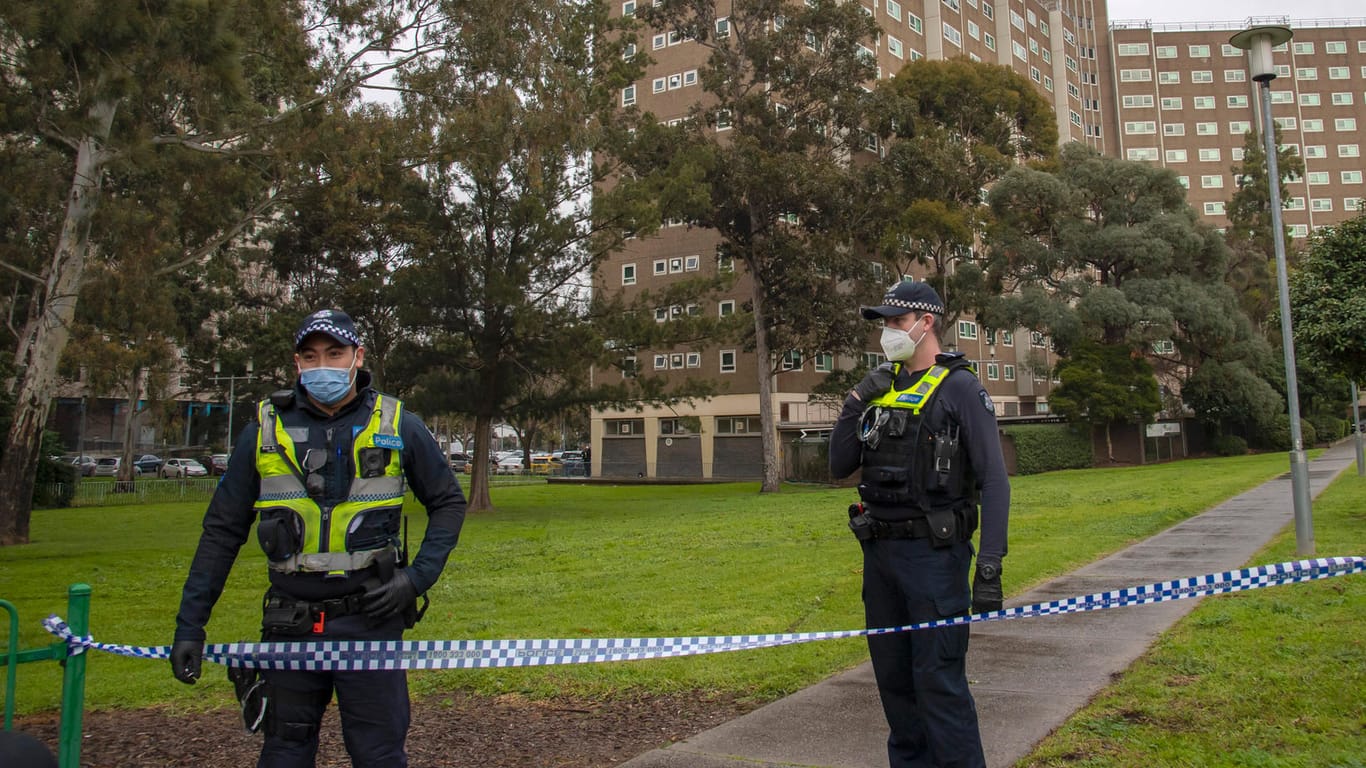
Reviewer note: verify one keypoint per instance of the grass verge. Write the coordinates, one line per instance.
(588, 561)
(1273, 677)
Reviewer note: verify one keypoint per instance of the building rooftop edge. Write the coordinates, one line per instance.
(1217, 26)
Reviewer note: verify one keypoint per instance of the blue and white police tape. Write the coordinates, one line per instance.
(473, 654)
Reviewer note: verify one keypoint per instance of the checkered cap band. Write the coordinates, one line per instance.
(919, 306)
(332, 322)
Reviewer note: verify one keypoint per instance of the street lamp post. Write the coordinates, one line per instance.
(232, 392)
(1259, 41)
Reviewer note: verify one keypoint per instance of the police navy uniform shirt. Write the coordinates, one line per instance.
(228, 521)
(969, 406)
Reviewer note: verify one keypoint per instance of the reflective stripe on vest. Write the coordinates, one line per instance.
(324, 531)
(917, 395)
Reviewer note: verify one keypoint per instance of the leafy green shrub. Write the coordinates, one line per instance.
(1275, 436)
(1328, 427)
(54, 485)
(1046, 447)
(1229, 445)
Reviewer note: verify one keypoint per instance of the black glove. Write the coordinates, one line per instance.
(186, 658)
(878, 381)
(986, 588)
(391, 597)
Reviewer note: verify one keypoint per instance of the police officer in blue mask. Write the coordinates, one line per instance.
(322, 473)
(923, 431)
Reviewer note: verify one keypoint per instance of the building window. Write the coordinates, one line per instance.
(1165, 51)
(1345, 123)
(1315, 151)
(974, 31)
(1133, 49)
(1170, 102)
(1336, 46)
(1282, 97)
(1136, 101)
(1206, 129)
(1321, 204)
(1199, 51)
(1169, 78)
(661, 267)
(1202, 76)
(894, 47)
(893, 9)
(824, 362)
(1306, 73)
(1294, 204)
(1349, 150)
(691, 263)
(1235, 76)
(1176, 156)
(727, 361)
(722, 28)
(1229, 50)
(1009, 372)
(661, 362)
(1203, 102)
(1316, 178)
(1236, 102)
(1141, 127)
(1239, 127)
(628, 95)
(967, 329)
(1212, 182)
(1214, 209)
(1132, 75)
(1210, 155)
(1299, 230)
(1313, 126)
(1141, 153)
(915, 23)
(953, 35)
(694, 360)
(993, 371)
(628, 274)
(989, 41)
(792, 361)
(1303, 49)
(988, 12)
(1351, 177)
(1342, 99)
(658, 85)
(1174, 129)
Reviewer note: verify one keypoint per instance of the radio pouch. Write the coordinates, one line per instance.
(286, 617)
(943, 527)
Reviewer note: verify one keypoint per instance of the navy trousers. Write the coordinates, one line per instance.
(373, 705)
(922, 675)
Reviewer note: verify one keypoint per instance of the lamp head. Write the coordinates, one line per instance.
(1258, 42)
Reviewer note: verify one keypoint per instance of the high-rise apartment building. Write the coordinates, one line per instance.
(1174, 95)
(1184, 99)
(1058, 44)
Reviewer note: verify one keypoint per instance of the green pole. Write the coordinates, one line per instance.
(12, 662)
(73, 680)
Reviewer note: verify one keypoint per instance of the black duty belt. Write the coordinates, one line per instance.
(915, 528)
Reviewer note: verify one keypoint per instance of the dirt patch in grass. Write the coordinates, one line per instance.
(452, 731)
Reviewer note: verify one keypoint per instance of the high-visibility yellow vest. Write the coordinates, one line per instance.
(917, 395)
(319, 533)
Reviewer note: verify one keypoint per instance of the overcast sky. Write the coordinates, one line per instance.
(1160, 11)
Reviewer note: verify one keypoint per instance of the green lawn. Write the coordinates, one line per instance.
(1273, 677)
(589, 561)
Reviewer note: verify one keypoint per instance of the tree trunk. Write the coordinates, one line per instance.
(46, 333)
(130, 427)
(477, 495)
(767, 425)
(1109, 446)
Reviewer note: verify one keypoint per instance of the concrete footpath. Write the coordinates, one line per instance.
(1029, 675)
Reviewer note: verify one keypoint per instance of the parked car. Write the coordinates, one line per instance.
(109, 467)
(572, 464)
(460, 462)
(217, 463)
(512, 465)
(85, 465)
(183, 468)
(148, 464)
(541, 463)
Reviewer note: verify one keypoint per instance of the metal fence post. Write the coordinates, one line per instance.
(73, 680)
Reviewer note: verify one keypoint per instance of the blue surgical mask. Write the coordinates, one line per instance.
(327, 385)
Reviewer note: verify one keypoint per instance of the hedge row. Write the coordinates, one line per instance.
(1046, 447)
